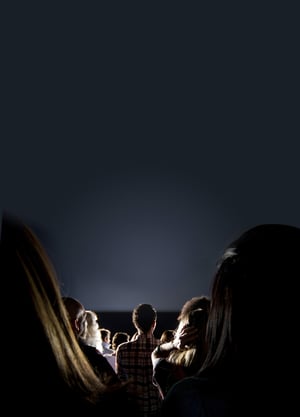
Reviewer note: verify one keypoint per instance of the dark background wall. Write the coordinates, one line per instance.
(138, 143)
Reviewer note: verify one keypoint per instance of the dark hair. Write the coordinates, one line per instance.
(198, 318)
(194, 303)
(247, 296)
(144, 316)
(118, 338)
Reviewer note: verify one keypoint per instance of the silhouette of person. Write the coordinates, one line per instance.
(133, 362)
(252, 332)
(77, 317)
(183, 355)
(50, 371)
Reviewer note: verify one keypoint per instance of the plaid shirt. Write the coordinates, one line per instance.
(133, 362)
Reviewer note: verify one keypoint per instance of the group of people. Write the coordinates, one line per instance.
(232, 354)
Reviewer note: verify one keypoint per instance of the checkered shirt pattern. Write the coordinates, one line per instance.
(133, 362)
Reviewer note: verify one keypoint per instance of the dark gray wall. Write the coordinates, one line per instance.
(138, 151)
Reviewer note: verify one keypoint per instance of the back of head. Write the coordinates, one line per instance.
(91, 335)
(29, 281)
(192, 304)
(22, 251)
(104, 333)
(167, 336)
(92, 328)
(51, 359)
(73, 306)
(77, 315)
(253, 299)
(198, 318)
(92, 318)
(144, 317)
(118, 338)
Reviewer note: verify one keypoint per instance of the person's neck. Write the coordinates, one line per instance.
(147, 334)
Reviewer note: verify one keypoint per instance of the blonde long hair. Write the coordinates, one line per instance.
(30, 275)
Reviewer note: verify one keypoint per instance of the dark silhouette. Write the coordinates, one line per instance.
(252, 332)
(133, 362)
(77, 317)
(49, 372)
(118, 338)
(183, 355)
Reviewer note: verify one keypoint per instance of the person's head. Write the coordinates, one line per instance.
(92, 320)
(105, 334)
(193, 303)
(167, 336)
(187, 315)
(253, 299)
(144, 318)
(118, 338)
(52, 357)
(77, 315)
(190, 334)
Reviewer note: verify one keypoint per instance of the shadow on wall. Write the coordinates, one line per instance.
(122, 321)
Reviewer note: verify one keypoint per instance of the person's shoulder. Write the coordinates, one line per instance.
(201, 384)
(125, 346)
(198, 386)
(191, 383)
(184, 398)
(191, 395)
(90, 349)
(93, 353)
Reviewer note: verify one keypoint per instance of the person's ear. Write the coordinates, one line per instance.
(77, 325)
